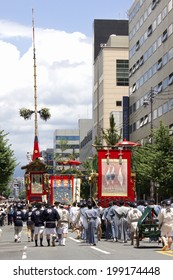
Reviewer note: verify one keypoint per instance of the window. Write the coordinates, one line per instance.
(164, 36)
(159, 64)
(171, 104)
(165, 59)
(141, 122)
(165, 107)
(170, 5)
(153, 4)
(137, 65)
(155, 114)
(159, 19)
(160, 86)
(159, 41)
(165, 83)
(164, 12)
(137, 45)
(160, 111)
(146, 119)
(170, 80)
(154, 24)
(170, 54)
(122, 70)
(149, 30)
(134, 87)
(170, 29)
(141, 60)
(118, 103)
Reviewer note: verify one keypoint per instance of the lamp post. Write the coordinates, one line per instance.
(146, 103)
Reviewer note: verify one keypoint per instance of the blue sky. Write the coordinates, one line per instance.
(63, 39)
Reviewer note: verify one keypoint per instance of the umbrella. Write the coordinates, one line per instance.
(69, 162)
(126, 143)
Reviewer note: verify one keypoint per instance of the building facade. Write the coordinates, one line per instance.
(111, 65)
(66, 142)
(150, 67)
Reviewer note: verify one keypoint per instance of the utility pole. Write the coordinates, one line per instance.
(146, 102)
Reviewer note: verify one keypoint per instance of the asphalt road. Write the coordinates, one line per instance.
(77, 250)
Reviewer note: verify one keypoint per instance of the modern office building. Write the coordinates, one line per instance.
(66, 142)
(111, 65)
(150, 67)
(85, 133)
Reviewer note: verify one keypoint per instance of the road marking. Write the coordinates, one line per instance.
(167, 253)
(94, 248)
(76, 240)
(97, 249)
(24, 255)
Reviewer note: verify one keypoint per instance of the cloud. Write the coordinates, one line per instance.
(63, 79)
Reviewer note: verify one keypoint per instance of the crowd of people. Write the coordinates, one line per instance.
(117, 222)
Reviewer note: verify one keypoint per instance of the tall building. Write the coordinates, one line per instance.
(111, 65)
(150, 67)
(85, 133)
(66, 142)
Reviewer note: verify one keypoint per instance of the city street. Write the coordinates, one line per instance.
(77, 250)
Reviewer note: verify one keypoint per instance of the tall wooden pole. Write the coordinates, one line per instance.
(35, 85)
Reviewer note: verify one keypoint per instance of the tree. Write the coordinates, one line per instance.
(154, 163)
(7, 162)
(111, 135)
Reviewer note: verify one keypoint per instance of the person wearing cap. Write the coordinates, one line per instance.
(37, 219)
(165, 218)
(133, 217)
(29, 223)
(18, 219)
(63, 224)
(50, 217)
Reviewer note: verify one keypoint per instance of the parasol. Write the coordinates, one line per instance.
(126, 143)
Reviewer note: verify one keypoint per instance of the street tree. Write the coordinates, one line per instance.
(154, 163)
(7, 162)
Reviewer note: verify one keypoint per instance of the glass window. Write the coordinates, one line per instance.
(145, 15)
(141, 21)
(141, 60)
(160, 111)
(149, 9)
(150, 72)
(170, 29)
(165, 107)
(160, 86)
(137, 124)
(154, 68)
(154, 114)
(164, 12)
(170, 54)
(171, 104)
(159, 41)
(165, 58)
(165, 83)
(170, 80)
(122, 70)
(137, 45)
(153, 4)
(118, 103)
(137, 105)
(159, 19)
(154, 24)
(170, 6)
(134, 87)
(149, 32)
(164, 36)
(159, 64)
(154, 46)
